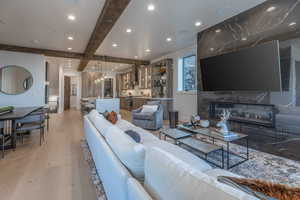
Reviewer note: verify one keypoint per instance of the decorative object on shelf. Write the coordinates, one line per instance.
(225, 115)
(204, 123)
(162, 70)
(195, 120)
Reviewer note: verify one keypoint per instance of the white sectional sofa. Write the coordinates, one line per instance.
(151, 169)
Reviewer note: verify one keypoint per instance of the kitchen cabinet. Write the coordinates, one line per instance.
(126, 81)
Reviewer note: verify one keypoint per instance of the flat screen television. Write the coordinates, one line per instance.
(255, 68)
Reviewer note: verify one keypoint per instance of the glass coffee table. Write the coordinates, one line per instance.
(184, 139)
(174, 134)
(213, 136)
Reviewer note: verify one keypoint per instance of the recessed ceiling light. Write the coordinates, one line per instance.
(169, 39)
(292, 24)
(198, 23)
(71, 17)
(136, 57)
(69, 48)
(244, 38)
(70, 38)
(151, 7)
(114, 45)
(218, 30)
(212, 49)
(270, 9)
(128, 30)
(148, 50)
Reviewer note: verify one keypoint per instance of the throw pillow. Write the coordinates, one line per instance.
(112, 117)
(134, 135)
(262, 189)
(149, 108)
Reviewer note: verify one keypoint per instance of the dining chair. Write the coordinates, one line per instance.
(47, 115)
(35, 121)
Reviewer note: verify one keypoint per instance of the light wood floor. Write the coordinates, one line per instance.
(54, 171)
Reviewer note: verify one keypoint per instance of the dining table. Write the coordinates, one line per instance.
(16, 114)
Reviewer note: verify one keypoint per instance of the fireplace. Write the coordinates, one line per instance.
(247, 113)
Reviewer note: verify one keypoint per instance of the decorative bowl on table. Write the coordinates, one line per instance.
(204, 123)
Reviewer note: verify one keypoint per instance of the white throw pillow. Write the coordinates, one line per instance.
(92, 115)
(167, 177)
(101, 124)
(149, 108)
(130, 153)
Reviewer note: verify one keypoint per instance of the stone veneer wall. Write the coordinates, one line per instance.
(257, 26)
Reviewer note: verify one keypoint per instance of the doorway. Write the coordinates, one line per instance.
(67, 92)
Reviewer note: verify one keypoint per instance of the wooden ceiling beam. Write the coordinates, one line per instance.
(46, 52)
(67, 54)
(110, 13)
(120, 60)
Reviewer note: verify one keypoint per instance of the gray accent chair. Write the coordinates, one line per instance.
(150, 121)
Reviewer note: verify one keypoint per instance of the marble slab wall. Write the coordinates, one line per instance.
(248, 29)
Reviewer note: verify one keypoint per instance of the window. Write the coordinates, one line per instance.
(189, 73)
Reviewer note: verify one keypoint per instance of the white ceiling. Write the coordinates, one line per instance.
(44, 23)
(172, 18)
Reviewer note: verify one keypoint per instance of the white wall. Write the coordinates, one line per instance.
(35, 64)
(184, 102)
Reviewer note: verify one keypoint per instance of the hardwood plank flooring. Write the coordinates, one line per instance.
(56, 170)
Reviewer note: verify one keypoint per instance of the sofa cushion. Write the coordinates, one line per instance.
(144, 116)
(92, 115)
(136, 190)
(163, 170)
(130, 153)
(101, 124)
(181, 154)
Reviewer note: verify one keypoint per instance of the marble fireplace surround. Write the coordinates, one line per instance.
(248, 29)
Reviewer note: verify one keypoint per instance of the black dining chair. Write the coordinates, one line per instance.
(47, 115)
(35, 121)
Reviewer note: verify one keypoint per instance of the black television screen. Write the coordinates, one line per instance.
(256, 68)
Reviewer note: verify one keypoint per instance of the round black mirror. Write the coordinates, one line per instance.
(15, 80)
